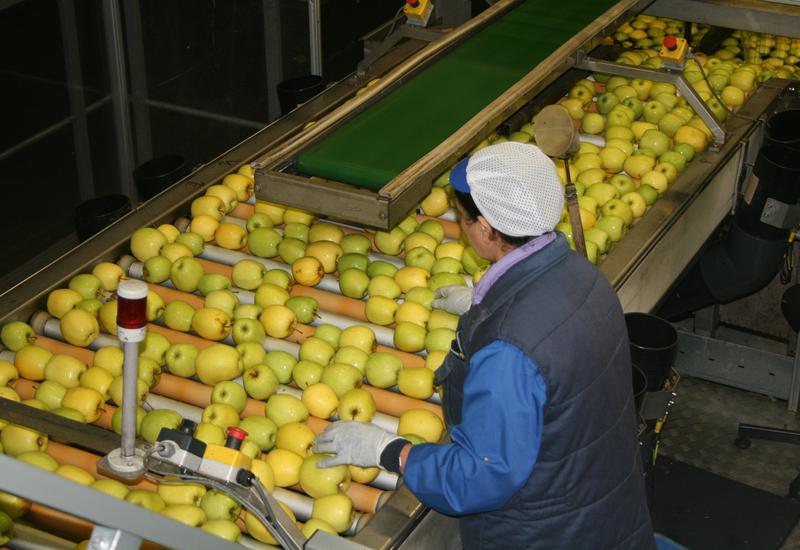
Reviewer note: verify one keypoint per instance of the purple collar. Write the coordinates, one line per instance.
(507, 262)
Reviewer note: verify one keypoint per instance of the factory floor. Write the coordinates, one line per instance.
(701, 428)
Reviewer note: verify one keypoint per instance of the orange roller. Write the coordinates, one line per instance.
(57, 346)
(365, 498)
(67, 525)
(328, 301)
(64, 454)
(182, 389)
(171, 295)
(395, 404)
(451, 229)
(214, 267)
(178, 337)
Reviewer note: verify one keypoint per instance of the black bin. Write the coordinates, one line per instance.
(156, 175)
(654, 346)
(298, 90)
(782, 130)
(95, 214)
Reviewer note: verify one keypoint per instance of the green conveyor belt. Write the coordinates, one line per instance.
(388, 137)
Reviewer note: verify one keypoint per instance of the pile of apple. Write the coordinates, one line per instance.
(210, 327)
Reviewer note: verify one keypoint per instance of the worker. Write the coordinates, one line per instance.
(537, 393)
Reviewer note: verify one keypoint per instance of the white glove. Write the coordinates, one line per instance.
(456, 299)
(356, 443)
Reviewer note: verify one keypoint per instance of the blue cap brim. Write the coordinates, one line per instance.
(458, 176)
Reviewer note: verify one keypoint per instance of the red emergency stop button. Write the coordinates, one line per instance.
(670, 42)
(412, 3)
(235, 438)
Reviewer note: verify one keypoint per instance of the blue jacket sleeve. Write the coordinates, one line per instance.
(494, 448)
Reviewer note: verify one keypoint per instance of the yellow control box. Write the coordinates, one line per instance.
(673, 49)
(418, 12)
(231, 457)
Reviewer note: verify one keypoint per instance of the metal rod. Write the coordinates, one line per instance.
(315, 37)
(119, 94)
(273, 55)
(77, 106)
(204, 114)
(130, 373)
(794, 388)
(138, 71)
(50, 130)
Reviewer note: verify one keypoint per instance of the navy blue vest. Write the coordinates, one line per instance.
(586, 490)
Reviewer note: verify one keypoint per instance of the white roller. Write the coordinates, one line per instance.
(190, 412)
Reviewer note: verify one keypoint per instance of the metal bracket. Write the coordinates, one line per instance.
(104, 538)
(779, 214)
(582, 61)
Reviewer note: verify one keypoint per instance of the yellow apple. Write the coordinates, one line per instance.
(327, 252)
(421, 422)
(436, 203)
(205, 226)
(79, 327)
(285, 467)
(308, 271)
(109, 274)
(320, 400)
(30, 362)
(336, 510)
(359, 336)
(88, 401)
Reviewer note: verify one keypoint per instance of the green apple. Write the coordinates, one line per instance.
(223, 299)
(306, 373)
(180, 360)
(149, 500)
(265, 242)
(186, 273)
(446, 265)
(111, 487)
(445, 279)
(420, 257)
(635, 202)
(193, 241)
(390, 242)
(351, 355)
(251, 353)
(224, 529)
(599, 238)
(8, 374)
(359, 336)
(670, 123)
(258, 219)
(155, 420)
(352, 261)
(178, 315)
(648, 193)
(412, 312)
(354, 282)
(220, 414)
(154, 346)
(283, 408)
(409, 224)
(674, 158)
(209, 433)
(421, 295)
(409, 337)
(656, 180)
(593, 123)
(297, 231)
(79, 327)
(602, 193)
(218, 362)
(248, 274)
(247, 311)
(440, 318)
(157, 269)
(260, 430)
(381, 267)
(62, 300)
(618, 117)
(614, 226)
(439, 339)
(68, 412)
(342, 378)
(74, 473)
(211, 323)
(39, 459)
(356, 243)
(13, 507)
(415, 382)
(329, 333)
(181, 493)
(92, 305)
(420, 239)
(316, 349)
(281, 363)
(383, 285)
(291, 249)
(116, 420)
(357, 404)
(16, 335)
(269, 294)
(230, 393)
(188, 514)
(260, 382)
(115, 390)
(606, 102)
(686, 150)
(618, 208)
(36, 404)
(50, 393)
(98, 379)
(655, 140)
(318, 482)
(210, 282)
(64, 369)
(248, 330)
(380, 310)
(18, 439)
(636, 104)
(336, 510)
(149, 371)
(304, 307)
(146, 242)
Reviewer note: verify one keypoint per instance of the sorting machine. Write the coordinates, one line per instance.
(367, 160)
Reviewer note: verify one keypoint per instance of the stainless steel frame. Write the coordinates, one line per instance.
(751, 15)
(386, 207)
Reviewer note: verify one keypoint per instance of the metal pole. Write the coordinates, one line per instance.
(315, 37)
(130, 373)
(273, 55)
(119, 94)
(141, 114)
(200, 113)
(77, 106)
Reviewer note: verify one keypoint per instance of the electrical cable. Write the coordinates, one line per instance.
(787, 267)
(395, 19)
